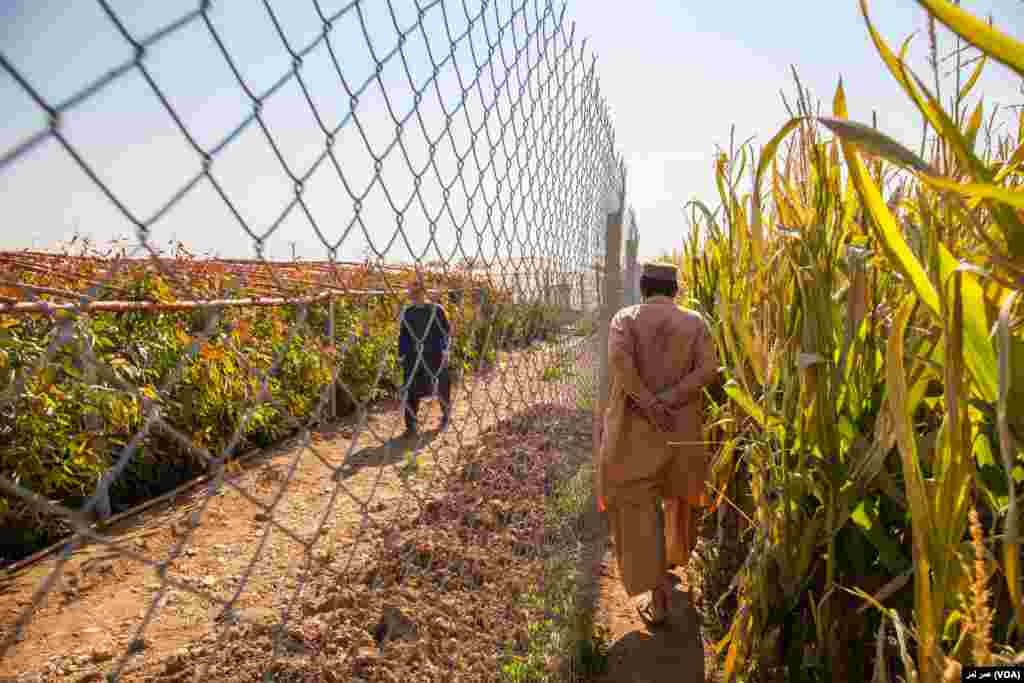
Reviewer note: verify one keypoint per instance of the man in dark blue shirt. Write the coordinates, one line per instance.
(424, 341)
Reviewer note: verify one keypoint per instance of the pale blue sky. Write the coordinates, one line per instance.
(675, 77)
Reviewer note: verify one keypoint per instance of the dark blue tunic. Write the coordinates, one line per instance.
(424, 324)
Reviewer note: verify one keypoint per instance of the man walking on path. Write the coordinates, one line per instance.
(424, 340)
(653, 462)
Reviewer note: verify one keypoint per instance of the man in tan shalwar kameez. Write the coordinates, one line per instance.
(653, 462)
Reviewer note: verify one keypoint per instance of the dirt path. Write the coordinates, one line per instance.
(90, 620)
(674, 653)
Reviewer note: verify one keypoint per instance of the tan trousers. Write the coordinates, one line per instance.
(650, 537)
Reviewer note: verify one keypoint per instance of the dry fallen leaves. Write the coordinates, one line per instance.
(439, 600)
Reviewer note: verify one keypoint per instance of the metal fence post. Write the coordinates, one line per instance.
(333, 405)
(612, 302)
(631, 292)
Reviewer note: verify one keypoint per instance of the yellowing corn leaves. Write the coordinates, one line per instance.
(870, 420)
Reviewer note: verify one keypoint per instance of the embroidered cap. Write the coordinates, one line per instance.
(662, 272)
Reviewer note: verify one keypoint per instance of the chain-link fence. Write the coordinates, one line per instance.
(219, 467)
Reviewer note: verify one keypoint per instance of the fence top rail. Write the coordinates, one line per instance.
(479, 264)
(13, 307)
(10, 306)
(293, 273)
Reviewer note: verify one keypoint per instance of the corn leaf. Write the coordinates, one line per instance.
(889, 552)
(1014, 198)
(1011, 554)
(1007, 220)
(917, 492)
(888, 232)
(996, 44)
(973, 80)
(982, 357)
(738, 394)
(875, 142)
(974, 125)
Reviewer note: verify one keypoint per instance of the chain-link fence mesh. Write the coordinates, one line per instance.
(467, 162)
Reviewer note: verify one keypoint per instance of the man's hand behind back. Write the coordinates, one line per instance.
(661, 416)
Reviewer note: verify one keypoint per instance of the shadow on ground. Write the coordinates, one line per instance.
(671, 653)
(389, 453)
(637, 653)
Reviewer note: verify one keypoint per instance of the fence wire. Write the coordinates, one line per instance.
(318, 542)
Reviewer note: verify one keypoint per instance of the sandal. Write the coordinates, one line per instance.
(650, 611)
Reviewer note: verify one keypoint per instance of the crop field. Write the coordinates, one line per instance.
(867, 302)
(211, 330)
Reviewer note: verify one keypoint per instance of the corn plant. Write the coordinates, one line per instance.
(867, 304)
